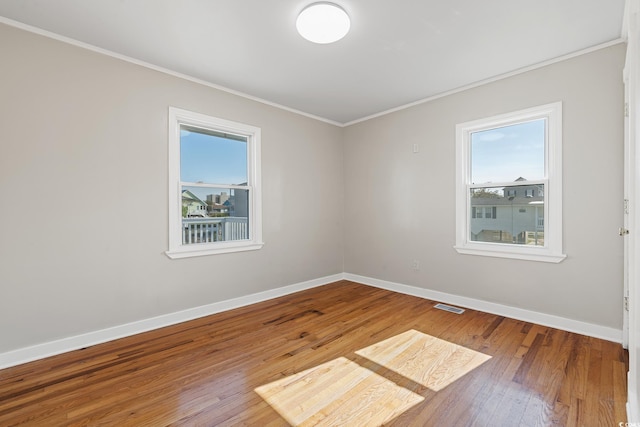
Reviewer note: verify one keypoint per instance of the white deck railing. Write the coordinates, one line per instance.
(206, 230)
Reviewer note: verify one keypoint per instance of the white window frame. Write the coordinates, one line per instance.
(179, 117)
(552, 249)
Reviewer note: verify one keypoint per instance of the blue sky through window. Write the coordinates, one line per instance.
(212, 159)
(506, 153)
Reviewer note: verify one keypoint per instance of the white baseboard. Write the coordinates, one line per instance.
(596, 331)
(40, 351)
(52, 348)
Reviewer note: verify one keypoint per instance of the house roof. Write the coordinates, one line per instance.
(188, 195)
(218, 206)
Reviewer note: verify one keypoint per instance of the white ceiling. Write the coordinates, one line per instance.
(398, 51)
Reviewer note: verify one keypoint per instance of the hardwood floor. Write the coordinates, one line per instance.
(341, 354)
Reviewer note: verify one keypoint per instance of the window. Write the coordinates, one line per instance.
(214, 185)
(508, 169)
(483, 212)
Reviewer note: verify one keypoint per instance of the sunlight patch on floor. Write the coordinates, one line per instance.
(342, 392)
(338, 392)
(426, 360)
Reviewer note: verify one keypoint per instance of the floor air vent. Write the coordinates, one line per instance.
(449, 308)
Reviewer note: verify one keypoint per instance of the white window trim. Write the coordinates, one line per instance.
(552, 250)
(178, 117)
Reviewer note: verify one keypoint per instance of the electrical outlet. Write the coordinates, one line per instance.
(415, 264)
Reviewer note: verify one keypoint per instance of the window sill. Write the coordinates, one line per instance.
(527, 254)
(202, 250)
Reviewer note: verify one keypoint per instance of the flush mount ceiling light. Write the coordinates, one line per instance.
(323, 23)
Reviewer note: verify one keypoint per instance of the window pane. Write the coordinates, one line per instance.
(507, 153)
(214, 214)
(515, 219)
(212, 157)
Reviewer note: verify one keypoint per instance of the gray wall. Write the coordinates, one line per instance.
(400, 206)
(83, 181)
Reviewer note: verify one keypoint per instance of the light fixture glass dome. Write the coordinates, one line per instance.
(323, 22)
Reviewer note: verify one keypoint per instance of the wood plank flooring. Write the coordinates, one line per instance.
(341, 354)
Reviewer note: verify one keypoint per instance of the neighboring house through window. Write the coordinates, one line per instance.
(214, 185)
(509, 185)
